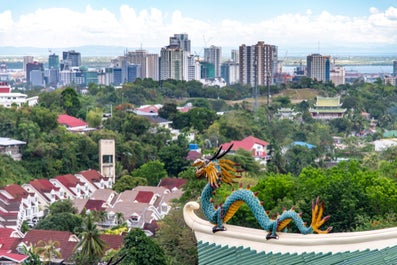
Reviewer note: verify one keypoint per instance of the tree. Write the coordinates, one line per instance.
(128, 182)
(70, 101)
(140, 249)
(91, 247)
(62, 206)
(153, 171)
(174, 156)
(61, 222)
(48, 250)
(177, 239)
(33, 257)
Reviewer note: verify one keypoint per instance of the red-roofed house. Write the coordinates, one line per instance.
(145, 197)
(94, 180)
(9, 239)
(112, 241)
(257, 147)
(148, 110)
(46, 191)
(71, 187)
(172, 183)
(72, 123)
(67, 242)
(28, 204)
(95, 205)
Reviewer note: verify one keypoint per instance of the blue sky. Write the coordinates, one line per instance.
(294, 26)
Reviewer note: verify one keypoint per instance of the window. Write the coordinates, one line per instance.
(107, 159)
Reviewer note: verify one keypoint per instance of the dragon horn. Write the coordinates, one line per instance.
(225, 152)
(216, 153)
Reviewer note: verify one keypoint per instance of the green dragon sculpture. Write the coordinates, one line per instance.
(218, 171)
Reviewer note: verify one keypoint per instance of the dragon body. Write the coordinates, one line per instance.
(219, 171)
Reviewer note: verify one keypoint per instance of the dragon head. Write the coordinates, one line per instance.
(215, 169)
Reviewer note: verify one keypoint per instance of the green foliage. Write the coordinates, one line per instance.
(141, 250)
(91, 247)
(12, 172)
(33, 257)
(70, 101)
(152, 171)
(128, 182)
(174, 156)
(61, 222)
(62, 206)
(177, 239)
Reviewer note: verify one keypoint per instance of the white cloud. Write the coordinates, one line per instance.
(63, 27)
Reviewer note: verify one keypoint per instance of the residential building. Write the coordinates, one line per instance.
(71, 187)
(72, 123)
(149, 63)
(230, 72)
(66, 240)
(11, 148)
(9, 99)
(256, 146)
(28, 203)
(327, 108)
(258, 63)
(318, 67)
(47, 193)
(337, 75)
(235, 56)
(9, 238)
(94, 180)
(213, 55)
(173, 63)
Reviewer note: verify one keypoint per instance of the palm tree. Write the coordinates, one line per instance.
(91, 247)
(119, 218)
(48, 250)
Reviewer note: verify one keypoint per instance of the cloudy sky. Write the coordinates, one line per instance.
(294, 26)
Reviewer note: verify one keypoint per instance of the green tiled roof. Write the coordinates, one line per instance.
(212, 254)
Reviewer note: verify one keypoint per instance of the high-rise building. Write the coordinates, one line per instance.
(207, 70)
(181, 40)
(173, 63)
(33, 66)
(149, 63)
(318, 67)
(395, 68)
(230, 72)
(70, 59)
(213, 56)
(133, 72)
(257, 63)
(26, 60)
(53, 61)
(235, 56)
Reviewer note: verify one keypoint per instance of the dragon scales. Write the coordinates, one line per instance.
(219, 171)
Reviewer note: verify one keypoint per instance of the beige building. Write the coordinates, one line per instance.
(107, 158)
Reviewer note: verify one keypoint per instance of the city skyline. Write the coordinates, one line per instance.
(296, 27)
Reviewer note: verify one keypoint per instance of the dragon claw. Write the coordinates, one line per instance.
(317, 217)
(217, 229)
(270, 235)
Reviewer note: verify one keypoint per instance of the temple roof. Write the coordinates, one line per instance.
(241, 245)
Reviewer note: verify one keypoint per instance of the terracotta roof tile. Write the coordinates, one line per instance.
(16, 191)
(43, 185)
(171, 183)
(66, 246)
(7, 241)
(96, 205)
(112, 241)
(70, 121)
(18, 258)
(144, 196)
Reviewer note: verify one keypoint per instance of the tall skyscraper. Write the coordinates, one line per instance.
(257, 63)
(149, 63)
(181, 40)
(230, 72)
(70, 59)
(235, 56)
(53, 61)
(33, 66)
(395, 68)
(173, 63)
(213, 56)
(26, 60)
(318, 67)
